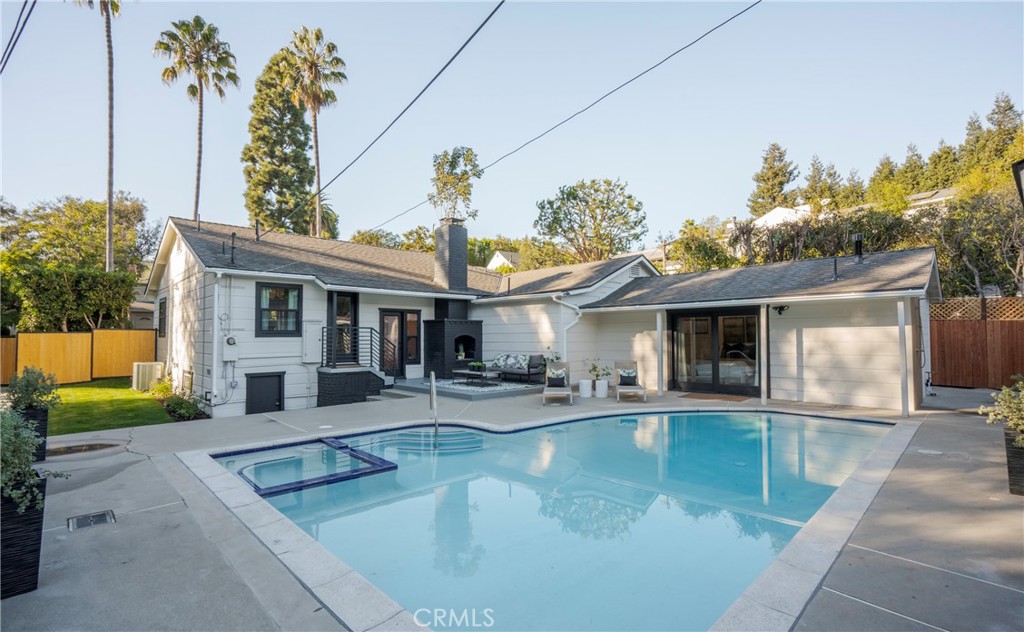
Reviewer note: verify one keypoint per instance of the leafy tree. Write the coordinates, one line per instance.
(942, 168)
(195, 48)
(885, 189)
(67, 298)
(278, 173)
(454, 173)
(594, 220)
(910, 175)
(311, 67)
(108, 9)
(822, 185)
(775, 175)
(701, 246)
(420, 239)
(378, 237)
(70, 231)
(536, 253)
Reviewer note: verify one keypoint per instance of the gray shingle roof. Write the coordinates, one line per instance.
(560, 279)
(880, 272)
(333, 262)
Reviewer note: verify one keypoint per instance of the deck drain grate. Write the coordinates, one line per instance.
(91, 520)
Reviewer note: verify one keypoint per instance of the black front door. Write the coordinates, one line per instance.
(342, 310)
(264, 392)
(391, 330)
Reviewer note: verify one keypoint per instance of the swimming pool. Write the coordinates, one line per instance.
(626, 523)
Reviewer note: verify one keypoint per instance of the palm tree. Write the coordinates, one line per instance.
(311, 67)
(194, 47)
(109, 8)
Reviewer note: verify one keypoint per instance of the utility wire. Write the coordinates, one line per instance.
(17, 23)
(601, 98)
(14, 38)
(400, 114)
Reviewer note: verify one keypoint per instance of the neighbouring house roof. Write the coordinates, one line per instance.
(510, 256)
(782, 215)
(563, 278)
(906, 271)
(331, 262)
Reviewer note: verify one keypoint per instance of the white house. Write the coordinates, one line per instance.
(504, 259)
(255, 323)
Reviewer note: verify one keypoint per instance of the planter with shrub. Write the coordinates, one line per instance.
(22, 496)
(1009, 411)
(181, 406)
(33, 394)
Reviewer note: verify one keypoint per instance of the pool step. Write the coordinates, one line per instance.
(446, 441)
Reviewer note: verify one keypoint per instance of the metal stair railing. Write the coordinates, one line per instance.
(344, 345)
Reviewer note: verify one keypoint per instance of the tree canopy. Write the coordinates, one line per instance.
(592, 219)
(771, 182)
(454, 172)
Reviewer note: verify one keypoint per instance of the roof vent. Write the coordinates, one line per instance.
(634, 271)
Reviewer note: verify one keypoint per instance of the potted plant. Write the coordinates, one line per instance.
(1009, 411)
(601, 374)
(22, 494)
(461, 353)
(33, 394)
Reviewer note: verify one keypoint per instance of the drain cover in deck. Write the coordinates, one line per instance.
(91, 520)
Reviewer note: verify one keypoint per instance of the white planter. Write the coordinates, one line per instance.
(601, 388)
(586, 388)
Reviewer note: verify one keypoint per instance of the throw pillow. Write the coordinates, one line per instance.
(627, 377)
(556, 381)
(521, 361)
(556, 373)
(500, 361)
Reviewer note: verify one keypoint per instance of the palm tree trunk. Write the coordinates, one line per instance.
(199, 152)
(105, 9)
(316, 167)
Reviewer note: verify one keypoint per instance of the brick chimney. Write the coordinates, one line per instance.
(451, 250)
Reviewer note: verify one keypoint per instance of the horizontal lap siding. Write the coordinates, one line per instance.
(520, 326)
(844, 353)
(631, 336)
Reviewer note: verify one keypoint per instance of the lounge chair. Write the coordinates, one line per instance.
(633, 388)
(554, 389)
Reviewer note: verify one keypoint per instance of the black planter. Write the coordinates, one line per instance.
(42, 419)
(21, 537)
(1014, 462)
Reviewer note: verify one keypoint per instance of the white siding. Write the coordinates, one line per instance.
(369, 316)
(631, 336)
(844, 353)
(520, 326)
(183, 286)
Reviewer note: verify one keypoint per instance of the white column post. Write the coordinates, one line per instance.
(901, 324)
(762, 353)
(926, 346)
(660, 326)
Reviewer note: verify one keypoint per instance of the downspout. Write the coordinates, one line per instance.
(216, 339)
(565, 330)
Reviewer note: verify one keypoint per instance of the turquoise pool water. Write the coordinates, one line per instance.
(636, 523)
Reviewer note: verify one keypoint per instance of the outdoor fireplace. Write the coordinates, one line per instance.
(446, 334)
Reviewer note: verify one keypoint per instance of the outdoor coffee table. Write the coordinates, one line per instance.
(479, 378)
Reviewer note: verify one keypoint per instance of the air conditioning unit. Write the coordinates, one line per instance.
(145, 373)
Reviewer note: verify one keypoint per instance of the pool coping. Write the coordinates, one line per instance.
(773, 601)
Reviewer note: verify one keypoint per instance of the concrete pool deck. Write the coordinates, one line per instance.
(941, 545)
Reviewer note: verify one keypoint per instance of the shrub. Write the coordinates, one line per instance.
(19, 481)
(183, 407)
(1009, 408)
(162, 389)
(33, 389)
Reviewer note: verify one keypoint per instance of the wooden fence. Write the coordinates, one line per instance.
(78, 357)
(970, 352)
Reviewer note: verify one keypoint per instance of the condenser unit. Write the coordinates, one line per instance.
(144, 374)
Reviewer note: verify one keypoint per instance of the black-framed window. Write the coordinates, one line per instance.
(412, 337)
(278, 309)
(161, 318)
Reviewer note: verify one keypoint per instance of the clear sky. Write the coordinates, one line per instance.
(847, 81)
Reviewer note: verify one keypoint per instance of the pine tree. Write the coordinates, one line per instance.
(771, 181)
(851, 193)
(911, 173)
(1005, 120)
(822, 185)
(972, 150)
(942, 168)
(278, 173)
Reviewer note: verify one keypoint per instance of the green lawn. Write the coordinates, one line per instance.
(102, 405)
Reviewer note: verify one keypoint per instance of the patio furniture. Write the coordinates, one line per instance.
(523, 366)
(478, 378)
(627, 381)
(556, 382)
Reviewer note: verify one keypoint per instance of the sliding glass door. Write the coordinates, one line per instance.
(716, 351)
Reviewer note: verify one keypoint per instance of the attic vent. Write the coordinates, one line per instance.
(634, 271)
(177, 245)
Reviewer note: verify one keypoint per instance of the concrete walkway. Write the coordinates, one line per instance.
(941, 546)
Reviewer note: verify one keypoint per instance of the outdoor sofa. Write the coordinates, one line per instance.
(522, 366)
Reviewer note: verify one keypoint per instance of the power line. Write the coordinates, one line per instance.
(601, 98)
(15, 37)
(400, 114)
(17, 23)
